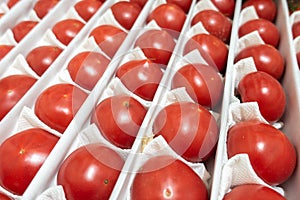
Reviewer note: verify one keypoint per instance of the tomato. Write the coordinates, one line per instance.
(225, 6)
(298, 59)
(296, 29)
(254, 192)
(12, 89)
(57, 105)
(90, 172)
(202, 83)
(169, 178)
(189, 128)
(21, 156)
(168, 16)
(126, 13)
(41, 57)
(65, 30)
(266, 57)
(87, 8)
(43, 7)
(264, 8)
(5, 49)
(264, 89)
(5, 197)
(119, 119)
(157, 45)
(272, 155)
(207, 45)
(21, 29)
(142, 77)
(87, 67)
(215, 23)
(109, 38)
(183, 4)
(11, 3)
(1, 15)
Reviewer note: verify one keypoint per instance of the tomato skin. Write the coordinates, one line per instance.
(11, 3)
(109, 38)
(43, 7)
(141, 3)
(207, 45)
(126, 13)
(75, 172)
(41, 58)
(183, 4)
(142, 77)
(21, 29)
(265, 9)
(65, 30)
(5, 197)
(169, 178)
(21, 156)
(225, 6)
(215, 23)
(298, 59)
(189, 129)
(4, 50)
(57, 105)
(266, 58)
(87, 8)
(272, 155)
(157, 45)
(12, 89)
(296, 29)
(266, 29)
(254, 192)
(119, 119)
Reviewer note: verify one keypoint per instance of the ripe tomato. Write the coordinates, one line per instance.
(142, 77)
(215, 23)
(57, 105)
(65, 30)
(183, 4)
(157, 45)
(189, 129)
(264, 89)
(21, 156)
(168, 16)
(21, 29)
(119, 119)
(254, 192)
(12, 89)
(5, 49)
(11, 3)
(87, 8)
(207, 45)
(41, 57)
(141, 3)
(126, 13)
(167, 177)
(271, 154)
(225, 6)
(202, 83)
(266, 57)
(266, 29)
(109, 38)
(296, 29)
(265, 8)
(298, 59)
(5, 197)
(43, 7)
(90, 172)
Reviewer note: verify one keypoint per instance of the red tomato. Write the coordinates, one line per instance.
(65, 30)
(183, 4)
(168, 16)
(157, 45)
(90, 172)
(41, 57)
(202, 83)
(265, 8)
(21, 29)
(109, 38)
(141, 3)
(266, 29)
(225, 6)
(207, 45)
(11, 3)
(189, 129)
(87, 67)
(298, 59)
(254, 192)
(142, 77)
(215, 23)
(169, 178)
(296, 29)
(119, 119)
(87, 8)
(22, 155)
(264, 89)
(5, 197)
(266, 57)
(12, 89)
(126, 13)
(271, 154)
(43, 7)
(57, 105)
(5, 49)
